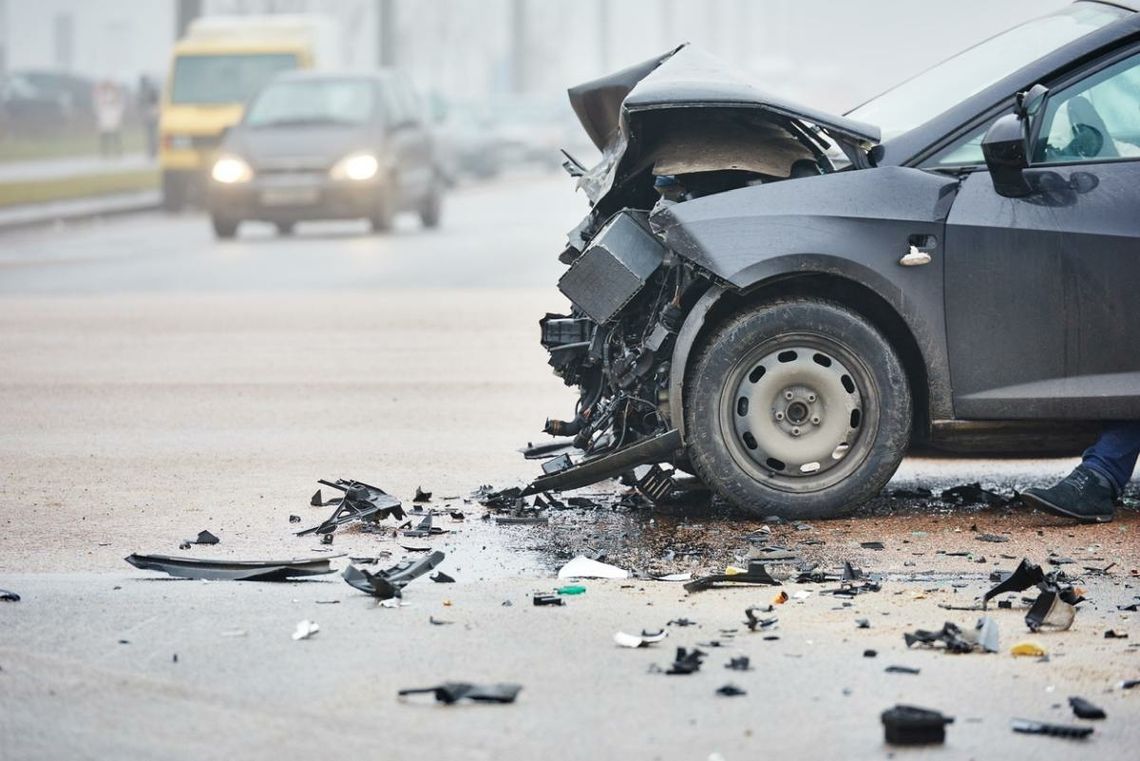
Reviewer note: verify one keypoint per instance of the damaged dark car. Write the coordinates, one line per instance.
(782, 301)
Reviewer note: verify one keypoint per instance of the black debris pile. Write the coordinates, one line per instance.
(1055, 606)
(911, 725)
(509, 507)
(233, 570)
(360, 502)
(453, 692)
(390, 583)
(423, 529)
(1083, 709)
(755, 574)
(983, 637)
(974, 494)
(687, 661)
(1031, 727)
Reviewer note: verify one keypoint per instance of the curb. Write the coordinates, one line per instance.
(46, 214)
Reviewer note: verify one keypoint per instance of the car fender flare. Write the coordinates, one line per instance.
(765, 274)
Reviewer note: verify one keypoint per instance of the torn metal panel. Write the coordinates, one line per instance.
(361, 501)
(233, 570)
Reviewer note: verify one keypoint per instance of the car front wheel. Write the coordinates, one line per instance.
(224, 227)
(798, 408)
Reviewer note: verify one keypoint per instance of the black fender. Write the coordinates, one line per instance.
(849, 228)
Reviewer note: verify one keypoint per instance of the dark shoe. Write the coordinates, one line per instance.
(1084, 495)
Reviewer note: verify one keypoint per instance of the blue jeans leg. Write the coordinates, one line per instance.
(1114, 453)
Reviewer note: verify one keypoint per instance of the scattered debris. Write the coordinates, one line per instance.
(911, 725)
(1054, 608)
(421, 495)
(306, 629)
(681, 622)
(326, 538)
(360, 502)
(756, 574)
(687, 661)
(439, 577)
(755, 623)
(996, 538)
(232, 570)
(1083, 709)
(572, 589)
(901, 670)
(541, 599)
(730, 691)
(781, 598)
(645, 639)
(439, 622)
(583, 567)
(294, 519)
(984, 637)
(1113, 634)
(1128, 684)
(423, 528)
(878, 546)
(741, 663)
(6, 596)
(1030, 727)
(869, 653)
(862, 623)
(390, 583)
(973, 494)
(453, 692)
(1031, 649)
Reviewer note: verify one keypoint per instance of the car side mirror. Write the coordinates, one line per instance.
(1006, 149)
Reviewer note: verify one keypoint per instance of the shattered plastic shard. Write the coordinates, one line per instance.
(911, 725)
(389, 583)
(421, 495)
(1030, 727)
(1113, 634)
(6, 596)
(233, 570)
(901, 670)
(439, 577)
(1083, 709)
(755, 623)
(645, 639)
(1024, 576)
(540, 599)
(687, 661)
(1050, 612)
(756, 574)
(205, 537)
(453, 692)
(583, 567)
(306, 629)
(730, 691)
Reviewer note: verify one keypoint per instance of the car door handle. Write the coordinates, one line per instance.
(919, 251)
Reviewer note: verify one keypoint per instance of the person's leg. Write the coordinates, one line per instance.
(1114, 454)
(1089, 493)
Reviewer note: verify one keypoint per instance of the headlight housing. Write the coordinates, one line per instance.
(229, 170)
(357, 167)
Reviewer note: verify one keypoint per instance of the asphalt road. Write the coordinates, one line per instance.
(154, 382)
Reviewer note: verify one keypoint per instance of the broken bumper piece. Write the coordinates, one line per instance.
(232, 570)
(756, 574)
(660, 448)
(390, 583)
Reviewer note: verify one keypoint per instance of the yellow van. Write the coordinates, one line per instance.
(216, 68)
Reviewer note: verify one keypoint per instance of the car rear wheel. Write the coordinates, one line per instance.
(224, 227)
(431, 211)
(798, 408)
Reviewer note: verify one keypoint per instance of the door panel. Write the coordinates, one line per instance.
(1043, 295)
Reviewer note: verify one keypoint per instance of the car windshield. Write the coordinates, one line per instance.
(224, 79)
(329, 101)
(940, 88)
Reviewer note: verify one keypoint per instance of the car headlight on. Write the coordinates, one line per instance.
(230, 169)
(358, 166)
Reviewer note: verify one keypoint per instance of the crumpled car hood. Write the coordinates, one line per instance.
(612, 107)
(684, 77)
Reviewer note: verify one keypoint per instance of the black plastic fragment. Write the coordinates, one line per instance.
(453, 692)
(360, 502)
(294, 519)
(973, 494)
(911, 725)
(1113, 634)
(439, 577)
(542, 599)
(1083, 709)
(232, 570)
(1030, 727)
(421, 495)
(901, 670)
(6, 596)
(741, 663)
(755, 623)
(950, 635)
(687, 661)
(1026, 575)
(205, 537)
(390, 583)
(756, 574)
(730, 691)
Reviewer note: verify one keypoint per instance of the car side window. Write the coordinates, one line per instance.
(965, 151)
(1095, 119)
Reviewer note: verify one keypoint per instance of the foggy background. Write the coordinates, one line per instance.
(830, 54)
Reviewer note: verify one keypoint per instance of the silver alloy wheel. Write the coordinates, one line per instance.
(796, 412)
